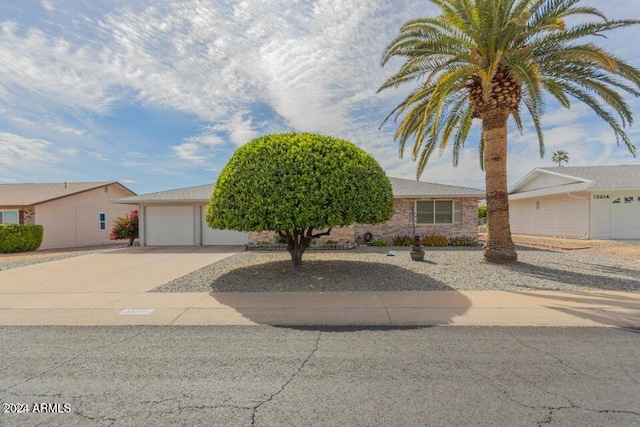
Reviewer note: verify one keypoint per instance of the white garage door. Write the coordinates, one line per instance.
(169, 225)
(221, 237)
(625, 217)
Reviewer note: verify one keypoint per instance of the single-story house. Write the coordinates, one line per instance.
(177, 217)
(71, 213)
(586, 202)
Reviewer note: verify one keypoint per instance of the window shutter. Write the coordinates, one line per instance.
(20, 217)
(457, 211)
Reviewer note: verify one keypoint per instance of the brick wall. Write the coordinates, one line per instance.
(399, 224)
(402, 224)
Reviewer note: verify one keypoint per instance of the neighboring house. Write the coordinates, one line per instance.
(177, 217)
(590, 202)
(71, 213)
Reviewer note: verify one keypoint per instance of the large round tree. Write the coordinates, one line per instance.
(489, 59)
(300, 186)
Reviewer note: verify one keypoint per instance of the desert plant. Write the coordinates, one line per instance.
(434, 239)
(463, 241)
(297, 184)
(20, 238)
(125, 227)
(402, 241)
(491, 60)
(379, 242)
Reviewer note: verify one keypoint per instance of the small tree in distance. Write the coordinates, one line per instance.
(300, 186)
(125, 228)
(560, 156)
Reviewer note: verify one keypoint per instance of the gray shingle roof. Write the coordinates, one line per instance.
(401, 188)
(200, 193)
(33, 194)
(603, 177)
(412, 188)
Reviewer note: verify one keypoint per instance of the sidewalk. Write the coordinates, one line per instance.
(485, 308)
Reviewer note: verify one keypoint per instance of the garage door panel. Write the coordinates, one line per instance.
(221, 237)
(169, 225)
(625, 217)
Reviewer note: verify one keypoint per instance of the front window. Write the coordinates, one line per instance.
(9, 217)
(102, 219)
(438, 211)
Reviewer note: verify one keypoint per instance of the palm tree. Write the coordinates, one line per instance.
(560, 156)
(486, 59)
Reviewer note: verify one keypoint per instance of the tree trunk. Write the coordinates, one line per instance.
(297, 243)
(499, 246)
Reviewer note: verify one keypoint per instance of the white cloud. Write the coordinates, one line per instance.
(99, 156)
(17, 151)
(70, 151)
(190, 151)
(48, 5)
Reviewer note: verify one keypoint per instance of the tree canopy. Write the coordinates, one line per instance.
(297, 183)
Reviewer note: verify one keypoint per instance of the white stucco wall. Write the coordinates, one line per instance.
(73, 220)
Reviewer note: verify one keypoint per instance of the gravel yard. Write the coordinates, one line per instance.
(370, 269)
(22, 259)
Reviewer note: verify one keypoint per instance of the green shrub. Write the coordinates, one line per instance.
(378, 242)
(20, 238)
(402, 241)
(300, 186)
(435, 239)
(463, 241)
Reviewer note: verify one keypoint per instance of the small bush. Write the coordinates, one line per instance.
(20, 238)
(463, 241)
(378, 242)
(125, 228)
(402, 241)
(434, 239)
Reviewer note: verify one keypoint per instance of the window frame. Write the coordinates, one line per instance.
(102, 223)
(17, 212)
(434, 202)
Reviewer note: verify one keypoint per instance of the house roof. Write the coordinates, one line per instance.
(200, 193)
(34, 194)
(411, 189)
(622, 177)
(401, 188)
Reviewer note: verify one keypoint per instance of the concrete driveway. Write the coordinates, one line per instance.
(135, 269)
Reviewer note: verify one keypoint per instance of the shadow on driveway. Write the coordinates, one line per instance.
(298, 299)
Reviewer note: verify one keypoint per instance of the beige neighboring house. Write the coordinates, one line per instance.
(177, 217)
(585, 202)
(71, 213)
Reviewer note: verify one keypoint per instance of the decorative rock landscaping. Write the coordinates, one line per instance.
(449, 268)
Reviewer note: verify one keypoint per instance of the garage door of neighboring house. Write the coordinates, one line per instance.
(169, 225)
(221, 237)
(625, 217)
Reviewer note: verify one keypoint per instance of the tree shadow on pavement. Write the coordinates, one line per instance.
(604, 309)
(343, 295)
(626, 279)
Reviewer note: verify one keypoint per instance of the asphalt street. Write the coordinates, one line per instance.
(240, 376)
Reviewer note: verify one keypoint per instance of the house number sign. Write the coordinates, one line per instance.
(600, 196)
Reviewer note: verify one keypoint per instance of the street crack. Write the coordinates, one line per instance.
(283, 386)
(66, 362)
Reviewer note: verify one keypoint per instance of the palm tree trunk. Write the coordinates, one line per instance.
(499, 246)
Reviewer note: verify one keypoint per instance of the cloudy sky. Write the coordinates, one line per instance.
(158, 95)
